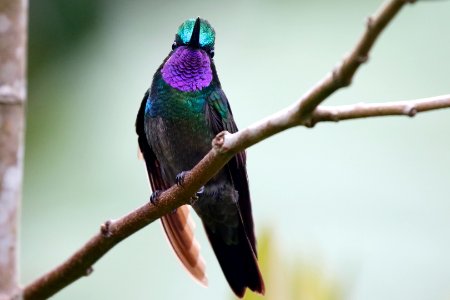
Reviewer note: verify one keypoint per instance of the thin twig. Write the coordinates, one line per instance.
(225, 145)
(364, 110)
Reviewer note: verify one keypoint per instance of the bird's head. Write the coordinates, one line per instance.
(188, 67)
(196, 34)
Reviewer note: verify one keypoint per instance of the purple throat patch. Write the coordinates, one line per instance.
(188, 69)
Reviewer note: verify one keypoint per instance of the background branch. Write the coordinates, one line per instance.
(224, 147)
(12, 99)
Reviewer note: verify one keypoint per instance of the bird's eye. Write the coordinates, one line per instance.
(211, 53)
(174, 45)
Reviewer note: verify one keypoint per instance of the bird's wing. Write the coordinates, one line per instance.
(179, 226)
(220, 118)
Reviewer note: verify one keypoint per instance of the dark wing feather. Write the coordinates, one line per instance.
(153, 169)
(220, 118)
(238, 262)
(178, 226)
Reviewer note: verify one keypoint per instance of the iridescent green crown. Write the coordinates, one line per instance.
(207, 33)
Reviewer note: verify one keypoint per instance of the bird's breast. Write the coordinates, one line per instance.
(178, 132)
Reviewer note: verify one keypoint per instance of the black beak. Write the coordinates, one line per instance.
(195, 37)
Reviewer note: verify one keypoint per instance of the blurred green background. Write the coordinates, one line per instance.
(356, 210)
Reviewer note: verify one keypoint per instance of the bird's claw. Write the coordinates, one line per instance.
(179, 179)
(154, 197)
(193, 199)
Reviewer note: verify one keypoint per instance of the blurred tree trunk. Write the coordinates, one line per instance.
(13, 21)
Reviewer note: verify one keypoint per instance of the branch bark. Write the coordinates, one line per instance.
(304, 112)
(12, 100)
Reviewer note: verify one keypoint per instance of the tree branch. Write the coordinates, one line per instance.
(305, 112)
(114, 231)
(343, 74)
(300, 112)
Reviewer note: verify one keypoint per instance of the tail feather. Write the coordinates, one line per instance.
(179, 229)
(238, 262)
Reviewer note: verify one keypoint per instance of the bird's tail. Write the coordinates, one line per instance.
(179, 228)
(238, 262)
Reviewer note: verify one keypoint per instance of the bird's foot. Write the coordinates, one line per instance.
(155, 197)
(179, 179)
(197, 195)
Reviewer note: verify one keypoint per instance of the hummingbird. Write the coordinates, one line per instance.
(182, 111)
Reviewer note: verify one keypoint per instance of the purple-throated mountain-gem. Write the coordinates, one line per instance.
(184, 109)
